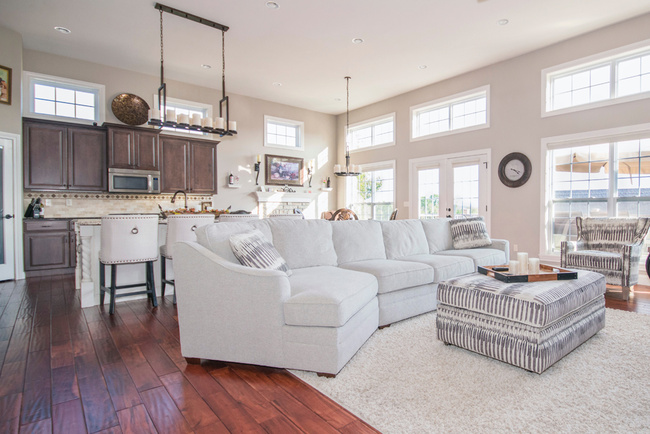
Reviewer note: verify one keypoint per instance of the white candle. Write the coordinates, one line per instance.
(171, 115)
(155, 114)
(232, 126)
(259, 158)
(522, 258)
(183, 119)
(513, 267)
(219, 123)
(196, 119)
(206, 122)
(533, 265)
(337, 168)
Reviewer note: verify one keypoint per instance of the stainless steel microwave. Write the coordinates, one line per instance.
(133, 181)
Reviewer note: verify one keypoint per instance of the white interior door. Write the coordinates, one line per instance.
(6, 210)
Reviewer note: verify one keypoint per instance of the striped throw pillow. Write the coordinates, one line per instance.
(253, 249)
(469, 233)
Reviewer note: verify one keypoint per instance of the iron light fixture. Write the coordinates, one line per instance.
(347, 172)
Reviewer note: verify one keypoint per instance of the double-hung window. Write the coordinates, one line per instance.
(59, 98)
(457, 113)
(607, 78)
(373, 133)
(371, 195)
(283, 133)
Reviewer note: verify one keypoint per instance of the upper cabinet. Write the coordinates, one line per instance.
(133, 148)
(188, 164)
(60, 156)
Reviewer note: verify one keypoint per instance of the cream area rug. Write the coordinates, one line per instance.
(403, 380)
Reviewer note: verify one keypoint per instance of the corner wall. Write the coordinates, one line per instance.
(11, 47)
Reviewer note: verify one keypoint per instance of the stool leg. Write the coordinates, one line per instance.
(152, 283)
(111, 309)
(102, 283)
(163, 267)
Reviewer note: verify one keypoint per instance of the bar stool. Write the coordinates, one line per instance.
(179, 228)
(128, 239)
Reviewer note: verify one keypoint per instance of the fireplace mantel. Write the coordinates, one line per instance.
(277, 196)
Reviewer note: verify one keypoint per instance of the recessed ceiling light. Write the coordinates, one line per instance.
(277, 84)
(63, 30)
(272, 5)
(422, 66)
(357, 41)
(502, 22)
(206, 66)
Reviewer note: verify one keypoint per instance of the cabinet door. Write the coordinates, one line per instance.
(120, 148)
(45, 156)
(87, 155)
(203, 168)
(72, 240)
(174, 164)
(47, 250)
(146, 150)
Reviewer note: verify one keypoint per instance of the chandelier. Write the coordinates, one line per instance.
(349, 170)
(164, 117)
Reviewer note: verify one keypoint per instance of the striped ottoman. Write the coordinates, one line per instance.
(530, 325)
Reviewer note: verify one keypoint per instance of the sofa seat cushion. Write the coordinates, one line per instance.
(445, 266)
(594, 260)
(327, 296)
(481, 256)
(394, 275)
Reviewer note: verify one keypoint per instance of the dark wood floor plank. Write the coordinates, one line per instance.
(37, 404)
(157, 358)
(60, 329)
(302, 416)
(141, 372)
(166, 417)
(18, 348)
(40, 338)
(136, 420)
(38, 368)
(68, 418)
(62, 354)
(12, 377)
(98, 407)
(111, 430)
(64, 384)
(120, 386)
(280, 424)
(10, 426)
(10, 406)
(41, 427)
(196, 412)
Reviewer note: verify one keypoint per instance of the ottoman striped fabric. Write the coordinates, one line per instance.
(530, 325)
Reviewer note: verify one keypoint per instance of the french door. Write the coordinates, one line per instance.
(453, 186)
(7, 271)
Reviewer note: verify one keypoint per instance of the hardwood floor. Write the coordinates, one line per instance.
(64, 369)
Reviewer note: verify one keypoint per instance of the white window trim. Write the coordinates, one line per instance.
(28, 98)
(585, 62)
(292, 122)
(550, 143)
(370, 167)
(371, 122)
(448, 100)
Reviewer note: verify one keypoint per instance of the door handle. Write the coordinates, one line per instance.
(448, 209)
(8, 216)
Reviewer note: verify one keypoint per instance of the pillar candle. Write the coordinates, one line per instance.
(171, 115)
(155, 114)
(259, 158)
(522, 258)
(513, 267)
(219, 123)
(206, 122)
(533, 265)
(183, 119)
(232, 126)
(337, 168)
(196, 119)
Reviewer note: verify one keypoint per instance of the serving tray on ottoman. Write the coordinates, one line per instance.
(546, 272)
(531, 325)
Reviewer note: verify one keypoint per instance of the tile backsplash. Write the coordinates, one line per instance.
(71, 204)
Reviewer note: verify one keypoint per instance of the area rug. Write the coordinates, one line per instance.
(403, 380)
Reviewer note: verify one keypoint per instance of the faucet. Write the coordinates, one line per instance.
(184, 194)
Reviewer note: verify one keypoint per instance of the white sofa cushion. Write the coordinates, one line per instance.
(253, 249)
(393, 275)
(216, 237)
(444, 267)
(481, 256)
(327, 296)
(358, 240)
(404, 238)
(438, 233)
(304, 243)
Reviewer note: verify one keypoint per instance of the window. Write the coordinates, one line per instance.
(183, 107)
(457, 113)
(60, 98)
(374, 133)
(371, 195)
(608, 78)
(283, 133)
(596, 177)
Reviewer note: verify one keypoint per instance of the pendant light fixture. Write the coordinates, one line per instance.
(350, 170)
(167, 118)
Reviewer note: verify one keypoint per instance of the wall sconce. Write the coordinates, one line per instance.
(310, 171)
(257, 169)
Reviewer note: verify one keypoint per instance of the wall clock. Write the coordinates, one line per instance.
(514, 169)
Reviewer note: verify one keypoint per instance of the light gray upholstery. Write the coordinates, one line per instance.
(404, 238)
(444, 266)
(481, 256)
(398, 305)
(394, 275)
(216, 237)
(129, 239)
(358, 240)
(304, 243)
(438, 233)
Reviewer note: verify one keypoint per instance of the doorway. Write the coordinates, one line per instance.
(8, 218)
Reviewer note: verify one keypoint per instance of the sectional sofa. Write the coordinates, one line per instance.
(347, 279)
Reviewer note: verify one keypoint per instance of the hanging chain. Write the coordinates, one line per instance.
(347, 106)
(223, 63)
(162, 58)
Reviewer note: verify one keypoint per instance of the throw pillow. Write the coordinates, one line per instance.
(469, 233)
(253, 249)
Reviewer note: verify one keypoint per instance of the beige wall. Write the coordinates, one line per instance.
(516, 125)
(11, 47)
(236, 154)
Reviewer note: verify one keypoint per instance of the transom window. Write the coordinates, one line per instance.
(62, 98)
(283, 133)
(374, 133)
(461, 112)
(184, 107)
(611, 77)
(371, 195)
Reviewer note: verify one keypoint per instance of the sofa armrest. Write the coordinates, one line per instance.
(227, 311)
(570, 246)
(502, 245)
(631, 259)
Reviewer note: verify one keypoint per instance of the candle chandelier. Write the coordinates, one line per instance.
(162, 117)
(350, 170)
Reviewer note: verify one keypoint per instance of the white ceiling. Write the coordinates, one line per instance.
(307, 44)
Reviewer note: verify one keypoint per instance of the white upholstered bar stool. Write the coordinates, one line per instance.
(179, 228)
(128, 239)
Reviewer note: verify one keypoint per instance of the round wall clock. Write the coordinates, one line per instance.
(514, 169)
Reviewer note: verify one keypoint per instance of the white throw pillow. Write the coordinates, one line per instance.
(253, 249)
(469, 233)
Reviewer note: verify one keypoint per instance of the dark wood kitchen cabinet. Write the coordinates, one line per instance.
(49, 245)
(133, 148)
(62, 156)
(188, 164)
